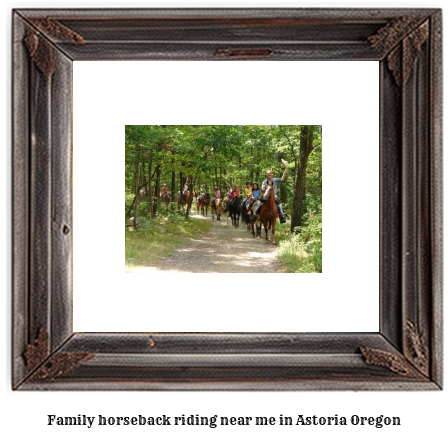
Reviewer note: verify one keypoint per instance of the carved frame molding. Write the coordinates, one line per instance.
(406, 354)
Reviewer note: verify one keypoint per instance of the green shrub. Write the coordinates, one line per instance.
(301, 251)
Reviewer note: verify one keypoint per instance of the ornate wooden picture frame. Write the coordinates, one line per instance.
(406, 353)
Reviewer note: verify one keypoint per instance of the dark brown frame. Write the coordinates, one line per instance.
(406, 354)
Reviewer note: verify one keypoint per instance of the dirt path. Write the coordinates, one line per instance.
(223, 249)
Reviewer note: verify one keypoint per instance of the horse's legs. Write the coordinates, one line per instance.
(265, 226)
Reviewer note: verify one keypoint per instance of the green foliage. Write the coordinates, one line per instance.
(157, 237)
(301, 252)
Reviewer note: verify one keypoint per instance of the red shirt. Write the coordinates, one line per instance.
(234, 193)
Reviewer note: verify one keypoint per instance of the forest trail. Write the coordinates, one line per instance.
(223, 249)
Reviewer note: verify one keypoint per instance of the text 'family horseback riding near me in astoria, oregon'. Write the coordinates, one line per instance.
(223, 198)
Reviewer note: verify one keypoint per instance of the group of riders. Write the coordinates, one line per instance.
(252, 194)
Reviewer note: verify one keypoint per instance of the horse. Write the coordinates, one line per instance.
(254, 227)
(183, 199)
(244, 215)
(203, 202)
(234, 211)
(144, 194)
(218, 207)
(166, 198)
(268, 213)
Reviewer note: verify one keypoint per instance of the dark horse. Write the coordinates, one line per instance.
(244, 214)
(269, 212)
(235, 211)
(254, 227)
(203, 203)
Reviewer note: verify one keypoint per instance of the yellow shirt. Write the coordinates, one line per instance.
(248, 191)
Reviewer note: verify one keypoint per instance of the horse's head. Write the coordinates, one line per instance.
(268, 192)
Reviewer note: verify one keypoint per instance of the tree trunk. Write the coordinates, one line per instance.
(216, 176)
(251, 173)
(173, 183)
(181, 186)
(156, 190)
(306, 146)
(137, 171)
(150, 186)
(157, 183)
(257, 167)
(283, 194)
(190, 201)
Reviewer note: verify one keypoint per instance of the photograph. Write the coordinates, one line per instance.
(223, 198)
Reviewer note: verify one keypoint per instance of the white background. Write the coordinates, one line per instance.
(343, 298)
(422, 414)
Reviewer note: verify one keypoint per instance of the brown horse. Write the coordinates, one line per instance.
(182, 199)
(166, 198)
(218, 207)
(269, 212)
(203, 202)
(143, 194)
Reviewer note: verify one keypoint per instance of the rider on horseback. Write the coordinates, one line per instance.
(216, 194)
(184, 192)
(247, 192)
(273, 182)
(255, 195)
(164, 190)
(203, 191)
(235, 193)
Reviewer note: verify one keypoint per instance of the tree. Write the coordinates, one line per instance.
(215, 155)
(299, 190)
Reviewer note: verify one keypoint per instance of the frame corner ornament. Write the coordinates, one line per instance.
(40, 49)
(41, 366)
(37, 351)
(411, 34)
(396, 363)
(418, 350)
